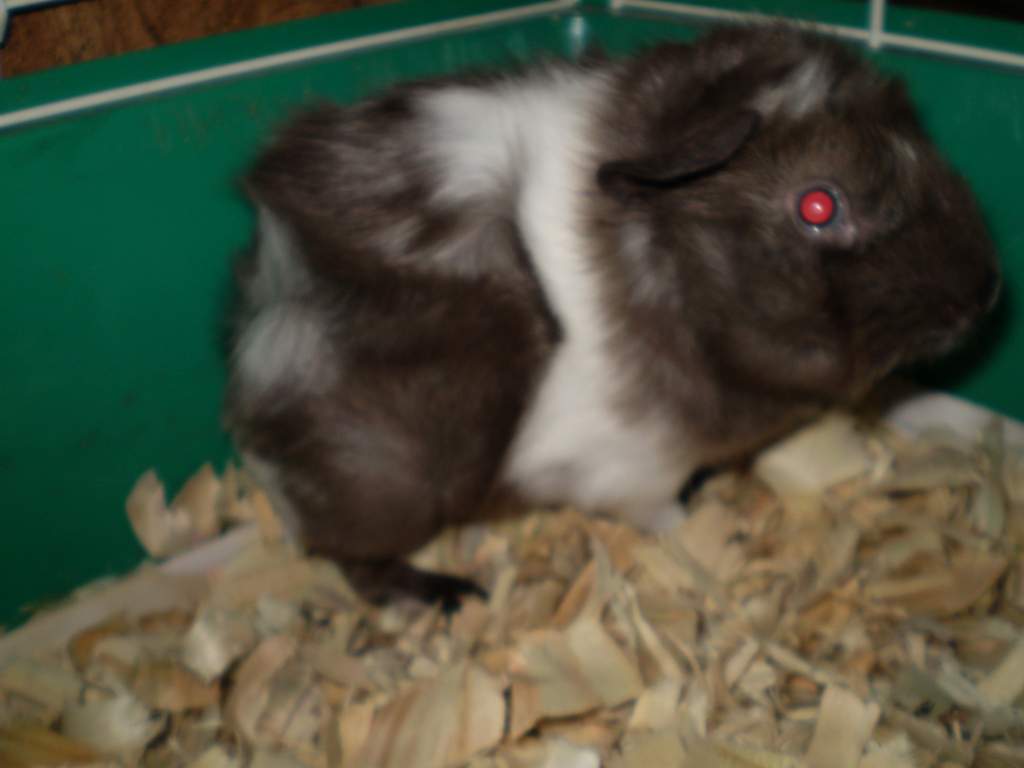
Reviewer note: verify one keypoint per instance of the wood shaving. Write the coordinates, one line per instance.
(856, 600)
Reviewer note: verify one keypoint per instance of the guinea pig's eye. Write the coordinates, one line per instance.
(817, 207)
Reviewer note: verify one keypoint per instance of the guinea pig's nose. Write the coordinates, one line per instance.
(990, 290)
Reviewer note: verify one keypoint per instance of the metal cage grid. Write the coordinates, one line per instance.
(874, 33)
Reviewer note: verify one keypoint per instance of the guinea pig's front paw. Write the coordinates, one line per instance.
(450, 591)
(656, 518)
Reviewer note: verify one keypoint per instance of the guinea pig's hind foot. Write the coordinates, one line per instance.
(380, 581)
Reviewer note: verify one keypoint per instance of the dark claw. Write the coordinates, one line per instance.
(382, 580)
(450, 590)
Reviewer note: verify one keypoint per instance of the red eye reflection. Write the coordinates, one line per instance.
(817, 207)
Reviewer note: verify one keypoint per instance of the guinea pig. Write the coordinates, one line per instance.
(577, 283)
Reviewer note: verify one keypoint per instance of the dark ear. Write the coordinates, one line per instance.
(702, 147)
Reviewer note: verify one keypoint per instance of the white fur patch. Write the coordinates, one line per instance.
(279, 274)
(531, 138)
(635, 246)
(285, 342)
(803, 92)
(904, 149)
(486, 140)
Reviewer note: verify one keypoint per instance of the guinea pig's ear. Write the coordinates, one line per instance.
(706, 145)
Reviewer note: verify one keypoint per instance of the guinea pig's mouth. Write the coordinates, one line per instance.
(942, 343)
(963, 313)
(991, 290)
(952, 335)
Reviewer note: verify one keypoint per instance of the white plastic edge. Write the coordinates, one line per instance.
(927, 409)
(261, 63)
(874, 35)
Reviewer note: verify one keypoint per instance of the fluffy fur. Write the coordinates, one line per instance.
(580, 283)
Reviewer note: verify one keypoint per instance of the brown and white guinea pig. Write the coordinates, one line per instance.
(579, 283)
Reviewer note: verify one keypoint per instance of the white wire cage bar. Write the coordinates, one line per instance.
(873, 34)
(262, 63)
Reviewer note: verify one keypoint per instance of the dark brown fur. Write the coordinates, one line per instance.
(733, 323)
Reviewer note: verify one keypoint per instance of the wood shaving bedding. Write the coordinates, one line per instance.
(855, 600)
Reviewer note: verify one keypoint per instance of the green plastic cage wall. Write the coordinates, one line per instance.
(121, 216)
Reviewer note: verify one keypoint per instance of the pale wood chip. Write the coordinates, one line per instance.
(758, 681)
(739, 661)
(575, 599)
(940, 467)
(148, 590)
(233, 506)
(815, 458)
(217, 757)
(162, 530)
(695, 709)
(50, 685)
(331, 661)
(988, 509)
(600, 729)
(217, 638)
(192, 517)
(932, 736)
(762, 628)
(834, 556)
(355, 724)
(791, 662)
(270, 526)
(1005, 684)
(656, 662)
(708, 538)
(113, 725)
(36, 747)
(644, 749)
(548, 753)
(266, 758)
(894, 753)
(200, 497)
(82, 645)
(941, 591)
(1013, 473)
(664, 571)
(296, 714)
(1000, 755)
(470, 623)
(656, 707)
(436, 723)
(168, 687)
(951, 679)
(713, 753)
(899, 550)
(250, 694)
(844, 726)
(555, 674)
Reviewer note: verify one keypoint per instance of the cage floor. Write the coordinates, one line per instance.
(856, 600)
